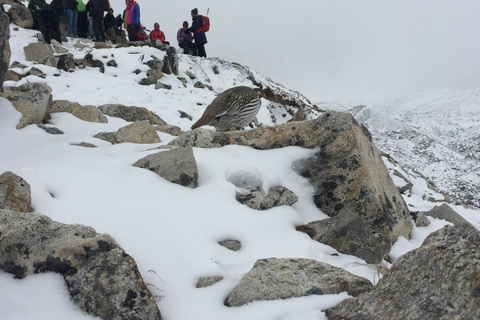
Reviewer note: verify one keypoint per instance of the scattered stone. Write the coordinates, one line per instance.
(39, 52)
(57, 46)
(233, 245)
(199, 85)
(103, 280)
(257, 200)
(439, 280)
(131, 114)
(177, 166)
(11, 75)
(66, 62)
(112, 63)
(154, 73)
(88, 61)
(349, 234)
(108, 136)
(19, 14)
(170, 62)
(170, 129)
(204, 282)
(160, 85)
(37, 72)
(89, 113)
(445, 212)
(31, 100)
(280, 278)
(138, 132)
(84, 144)
(183, 114)
(51, 130)
(420, 219)
(16, 64)
(15, 193)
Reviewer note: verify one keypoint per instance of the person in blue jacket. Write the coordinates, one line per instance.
(131, 16)
(200, 37)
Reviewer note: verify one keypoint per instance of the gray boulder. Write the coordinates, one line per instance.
(131, 114)
(5, 52)
(277, 196)
(349, 234)
(86, 113)
(347, 172)
(170, 129)
(177, 166)
(103, 280)
(138, 132)
(445, 212)
(39, 52)
(170, 62)
(31, 100)
(18, 14)
(276, 278)
(66, 62)
(439, 280)
(15, 193)
(154, 73)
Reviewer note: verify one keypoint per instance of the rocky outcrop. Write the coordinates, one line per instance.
(14, 193)
(18, 14)
(137, 132)
(31, 100)
(276, 278)
(131, 114)
(349, 234)
(86, 113)
(177, 166)
(4, 46)
(103, 280)
(347, 172)
(439, 280)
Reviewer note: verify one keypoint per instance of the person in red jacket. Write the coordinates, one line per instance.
(157, 34)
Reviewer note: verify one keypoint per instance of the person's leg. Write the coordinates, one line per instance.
(74, 22)
(69, 21)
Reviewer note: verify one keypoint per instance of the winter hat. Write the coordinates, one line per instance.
(195, 11)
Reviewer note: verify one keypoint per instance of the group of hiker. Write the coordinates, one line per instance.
(89, 20)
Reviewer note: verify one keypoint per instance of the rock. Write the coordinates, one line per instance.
(445, 212)
(88, 61)
(108, 136)
(154, 73)
(66, 62)
(84, 144)
(31, 100)
(183, 114)
(177, 166)
(277, 196)
(11, 75)
(131, 114)
(420, 219)
(15, 193)
(233, 245)
(204, 282)
(439, 280)
(170, 129)
(347, 172)
(103, 280)
(57, 46)
(89, 113)
(349, 234)
(37, 72)
(160, 85)
(138, 132)
(51, 130)
(62, 106)
(39, 52)
(199, 85)
(18, 14)
(280, 278)
(170, 62)
(5, 52)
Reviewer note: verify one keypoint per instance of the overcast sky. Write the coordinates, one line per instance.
(330, 50)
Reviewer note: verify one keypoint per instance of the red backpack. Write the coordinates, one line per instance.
(205, 25)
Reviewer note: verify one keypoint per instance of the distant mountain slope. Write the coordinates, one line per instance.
(436, 133)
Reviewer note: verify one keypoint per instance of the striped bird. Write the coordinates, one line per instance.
(232, 109)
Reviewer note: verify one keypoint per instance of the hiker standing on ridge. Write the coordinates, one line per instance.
(199, 36)
(131, 16)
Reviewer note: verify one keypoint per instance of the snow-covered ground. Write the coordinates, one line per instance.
(167, 228)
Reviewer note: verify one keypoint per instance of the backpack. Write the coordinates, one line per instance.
(141, 34)
(205, 25)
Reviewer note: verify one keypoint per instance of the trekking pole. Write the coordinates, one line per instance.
(208, 11)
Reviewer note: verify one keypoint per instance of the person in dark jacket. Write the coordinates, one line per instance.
(35, 6)
(113, 27)
(72, 16)
(48, 24)
(200, 37)
(96, 12)
(185, 40)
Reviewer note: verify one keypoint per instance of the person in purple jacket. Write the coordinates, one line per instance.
(132, 19)
(185, 40)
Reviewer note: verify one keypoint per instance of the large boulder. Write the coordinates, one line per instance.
(439, 280)
(14, 193)
(137, 132)
(103, 280)
(131, 114)
(445, 212)
(177, 166)
(279, 278)
(347, 171)
(39, 52)
(18, 14)
(349, 234)
(31, 100)
(5, 52)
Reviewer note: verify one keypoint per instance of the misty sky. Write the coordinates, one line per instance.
(334, 50)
